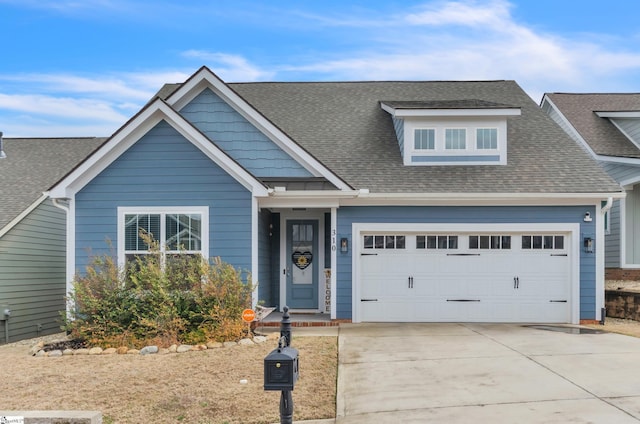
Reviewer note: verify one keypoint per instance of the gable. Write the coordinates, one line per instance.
(238, 138)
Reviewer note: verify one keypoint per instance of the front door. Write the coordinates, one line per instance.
(302, 264)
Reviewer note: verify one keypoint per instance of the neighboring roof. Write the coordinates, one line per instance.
(33, 165)
(599, 133)
(343, 126)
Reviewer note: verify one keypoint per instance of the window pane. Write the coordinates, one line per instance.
(495, 242)
(526, 242)
(453, 242)
(455, 138)
(400, 242)
(368, 242)
(424, 139)
(473, 242)
(548, 242)
(537, 242)
(390, 242)
(420, 242)
(379, 240)
(486, 138)
(559, 242)
(506, 242)
(431, 242)
(484, 242)
(443, 242)
(183, 232)
(135, 223)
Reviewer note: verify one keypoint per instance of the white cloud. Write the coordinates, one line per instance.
(230, 67)
(466, 13)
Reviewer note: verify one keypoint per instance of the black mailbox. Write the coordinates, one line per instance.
(281, 369)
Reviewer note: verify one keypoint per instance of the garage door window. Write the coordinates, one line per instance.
(436, 242)
(384, 242)
(490, 242)
(548, 242)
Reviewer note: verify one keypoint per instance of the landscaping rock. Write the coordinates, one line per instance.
(68, 352)
(55, 353)
(149, 350)
(196, 348)
(173, 348)
(246, 342)
(230, 344)
(133, 352)
(259, 339)
(214, 345)
(81, 352)
(36, 348)
(122, 350)
(109, 351)
(183, 348)
(41, 354)
(163, 351)
(95, 351)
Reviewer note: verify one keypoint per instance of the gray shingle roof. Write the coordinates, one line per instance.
(343, 126)
(33, 165)
(601, 135)
(445, 104)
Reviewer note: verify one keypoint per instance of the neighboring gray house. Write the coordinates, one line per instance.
(367, 201)
(607, 126)
(33, 233)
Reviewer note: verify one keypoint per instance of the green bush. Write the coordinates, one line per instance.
(186, 299)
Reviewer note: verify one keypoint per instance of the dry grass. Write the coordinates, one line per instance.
(194, 387)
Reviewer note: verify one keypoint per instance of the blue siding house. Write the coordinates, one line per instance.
(365, 201)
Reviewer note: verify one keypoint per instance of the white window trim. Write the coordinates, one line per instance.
(129, 210)
(440, 126)
(435, 140)
(456, 149)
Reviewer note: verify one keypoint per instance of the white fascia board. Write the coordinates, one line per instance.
(205, 78)
(404, 113)
(568, 124)
(132, 132)
(4, 230)
(618, 114)
(477, 199)
(618, 159)
(306, 199)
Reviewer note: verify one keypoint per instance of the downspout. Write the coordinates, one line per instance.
(603, 210)
(65, 207)
(607, 206)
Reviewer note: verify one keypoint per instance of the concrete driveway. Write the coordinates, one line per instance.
(476, 373)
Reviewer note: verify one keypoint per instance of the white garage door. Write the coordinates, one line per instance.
(499, 277)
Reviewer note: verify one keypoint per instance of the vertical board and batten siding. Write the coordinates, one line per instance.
(621, 173)
(164, 169)
(275, 259)
(398, 125)
(238, 138)
(265, 293)
(630, 126)
(467, 215)
(32, 273)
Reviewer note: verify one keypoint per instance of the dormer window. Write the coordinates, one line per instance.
(469, 132)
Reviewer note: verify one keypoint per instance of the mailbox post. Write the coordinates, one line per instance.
(281, 369)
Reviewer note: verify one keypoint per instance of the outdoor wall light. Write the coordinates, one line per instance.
(588, 245)
(587, 217)
(344, 245)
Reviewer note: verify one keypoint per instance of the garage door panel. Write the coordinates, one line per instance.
(511, 285)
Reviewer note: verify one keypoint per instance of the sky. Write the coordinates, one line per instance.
(72, 68)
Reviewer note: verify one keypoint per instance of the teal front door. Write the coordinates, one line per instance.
(302, 264)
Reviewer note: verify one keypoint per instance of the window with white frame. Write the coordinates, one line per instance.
(177, 231)
(455, 138)
(486, 138)
(425, 139)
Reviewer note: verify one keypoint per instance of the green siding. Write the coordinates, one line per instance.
(32, 273)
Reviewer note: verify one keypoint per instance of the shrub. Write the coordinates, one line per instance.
(183, 299)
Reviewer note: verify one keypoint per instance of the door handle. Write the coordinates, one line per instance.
(410, 282)
(516, 283)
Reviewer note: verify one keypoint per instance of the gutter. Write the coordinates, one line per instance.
(57, 204)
